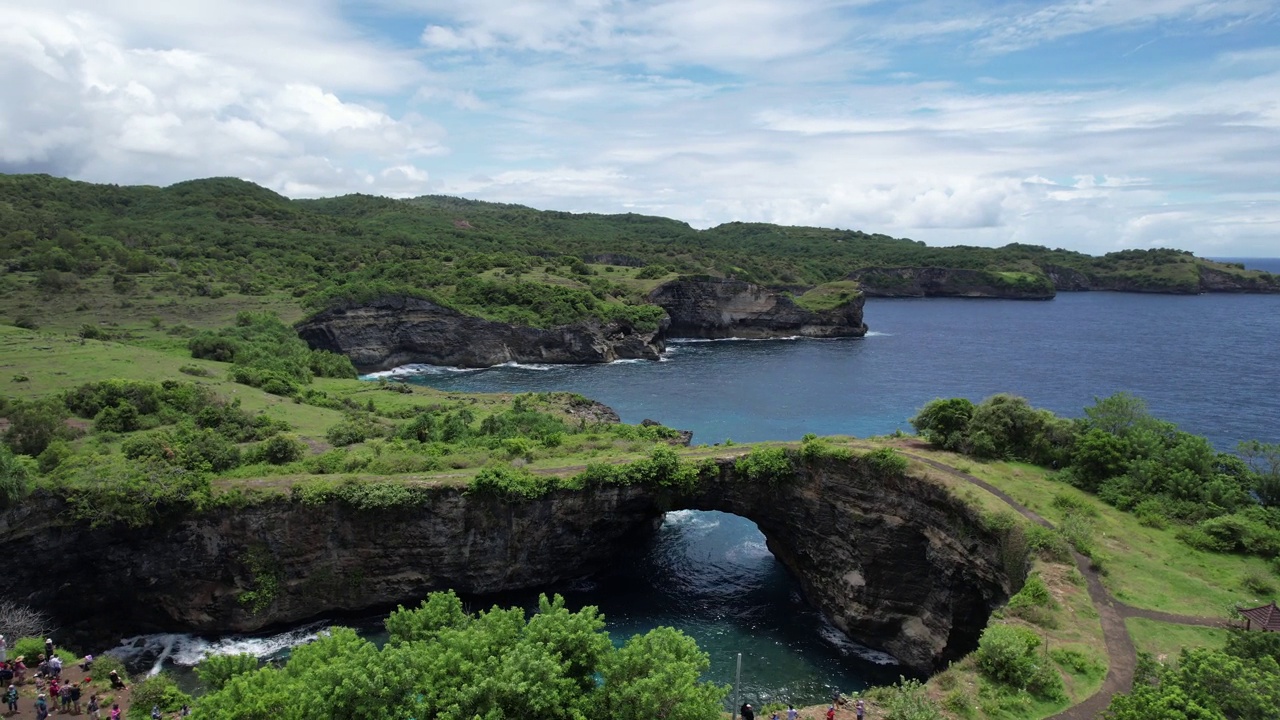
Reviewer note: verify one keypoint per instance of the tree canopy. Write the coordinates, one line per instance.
(443, 662)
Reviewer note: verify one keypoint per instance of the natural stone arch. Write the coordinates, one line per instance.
(895, 561)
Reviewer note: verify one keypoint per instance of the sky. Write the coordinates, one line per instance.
(1093, 125)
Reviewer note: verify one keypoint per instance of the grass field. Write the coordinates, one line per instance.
(1165, 641)
(1144, 567)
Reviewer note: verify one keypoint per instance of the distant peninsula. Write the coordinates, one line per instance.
(514, 283)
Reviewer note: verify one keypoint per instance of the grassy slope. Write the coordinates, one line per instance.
(1165, 641)
(1145, 567)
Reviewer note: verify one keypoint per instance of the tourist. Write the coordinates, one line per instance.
(87, 664)
(155, 712)
(75, 697)
(42, 707)
(55, 666)
(185, 711)
(54, 687)
(64, 697)
(19, 670)
(831, 712)
(94, 711)
(48, 647)
(747, 712)
(11, 698)
(791, 712)
(4, 650)
(115, 711)
(6, 674)
(116, 682)
(859, 708)
(774, 716)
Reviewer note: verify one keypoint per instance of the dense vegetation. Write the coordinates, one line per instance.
(214, 237)
(1238, 682)
(1221, 502)
(443, 662)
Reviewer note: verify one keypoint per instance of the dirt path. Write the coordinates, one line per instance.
(1122, 658)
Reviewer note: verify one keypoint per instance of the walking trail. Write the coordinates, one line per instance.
(1122, 658)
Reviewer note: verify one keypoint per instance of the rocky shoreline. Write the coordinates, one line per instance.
(393, 331)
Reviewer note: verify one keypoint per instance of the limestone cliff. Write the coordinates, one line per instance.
(714, 308)
(898, 563)
(394, 331)
(951, 282)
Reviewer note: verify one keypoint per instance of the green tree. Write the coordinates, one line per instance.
(1264, 460)
(656, 676)
(944, 422)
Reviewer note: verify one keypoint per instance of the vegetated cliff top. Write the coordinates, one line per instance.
(235, 235)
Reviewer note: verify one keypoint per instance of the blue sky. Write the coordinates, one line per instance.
(1094, 125)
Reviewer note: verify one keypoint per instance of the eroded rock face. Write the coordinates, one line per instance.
(899, 564)
(394, 331)
(716, 308)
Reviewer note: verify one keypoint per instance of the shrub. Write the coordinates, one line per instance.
(351, 430)
(1007, 655)
(1071, 505)
(944, 422)
(770, 465)
(514, 484)
(1258, 584)
(15, 478)
(278, 450)
(160, 691)
(1034, 593)
(215, 671)
(34, 424)
(1078, 662)
(1049, 545)
(887, 462)
(1078, 531)
(121, 418)
(30, 647)
(26, 322)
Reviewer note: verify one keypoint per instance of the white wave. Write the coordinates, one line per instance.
(690, 519)
(832, 634)
(189, 650)
(529, 366)
(629, 361)
(877, 333)
(417, 369)
(689, 341)
(750, 550)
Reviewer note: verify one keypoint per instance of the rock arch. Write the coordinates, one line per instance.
(897, 562)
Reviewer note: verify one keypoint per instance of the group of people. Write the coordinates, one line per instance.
(859, 710)
(52, 691)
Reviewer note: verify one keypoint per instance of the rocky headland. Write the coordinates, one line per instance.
(716, 308)
(897, 562)
(393, 331)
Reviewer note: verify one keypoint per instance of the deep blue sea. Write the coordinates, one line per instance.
(1209, 363)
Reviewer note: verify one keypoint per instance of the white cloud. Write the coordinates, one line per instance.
(76, 98)
(897, 118)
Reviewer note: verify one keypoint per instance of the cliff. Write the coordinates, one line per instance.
(713, 308)
(952, 282)
(394, 331)
(898, 563)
